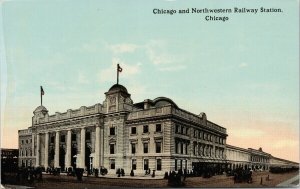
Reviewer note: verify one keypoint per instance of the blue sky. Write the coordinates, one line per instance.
(244, 73)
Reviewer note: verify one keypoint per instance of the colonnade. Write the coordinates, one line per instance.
(68, 157)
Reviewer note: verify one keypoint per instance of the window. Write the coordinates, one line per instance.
(146, 164)
(52, 139)
(112, 148)
(195, 133)
(158, 164)
(88, 136)
(112, 163)
(176, 165)
(201, 135)
(145, 148)
(182, 130)
(133, 148)
(62, 138)
(73, 137)
(158, 147)
(195, 146)
(181, 146)
(112, 131)
(186, 148)
(145, 129)
(176, 147)
(133, 164)
(187, 131)
(158, 128)
(22, 141)
(133, 130)
(26, 141)
(177, 129)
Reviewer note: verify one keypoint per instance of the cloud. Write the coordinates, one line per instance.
(159, 55)
(172, 68)
(243, 65)
(123, 48)
(128, 70)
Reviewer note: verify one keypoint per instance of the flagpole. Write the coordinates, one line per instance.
(118, 74)
(41, 96)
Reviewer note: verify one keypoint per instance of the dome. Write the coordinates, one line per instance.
(40, 109)
(117, 87)
(162, 101)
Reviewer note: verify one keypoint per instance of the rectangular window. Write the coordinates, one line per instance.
(182, 130)
(52, 139)
(112, 148)
(195, 146)
(181, 147)
(158, 128)
(186, 148)
(146, 164)
(112, 163)
(134, 164)
(73, 137)
(133, 130)
(88, 136)
(187, 131)
(62, 138)
(145, 148)
(177, 129)
(158, 164)
(200, 134)
(176, 147)
(112, 131)
(145, 129)
(176, 165)
(133, 148)
(158, 147)
(195, 133)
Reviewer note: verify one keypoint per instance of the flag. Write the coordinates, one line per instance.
(119, 68)
(42, 91)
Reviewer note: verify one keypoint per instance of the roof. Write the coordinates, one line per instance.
(40, 109)
(161, 101)
(117, 88)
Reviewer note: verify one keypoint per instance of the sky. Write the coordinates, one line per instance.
(243, 73)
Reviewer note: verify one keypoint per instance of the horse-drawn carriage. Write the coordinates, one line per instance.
(241, 175)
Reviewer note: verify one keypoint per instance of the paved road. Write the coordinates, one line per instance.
(293, 182)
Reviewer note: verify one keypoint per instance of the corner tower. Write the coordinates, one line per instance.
(117, 99)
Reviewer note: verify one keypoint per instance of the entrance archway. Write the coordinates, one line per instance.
(88, 159)
(73, 155)
(62, 155)
(51, 157)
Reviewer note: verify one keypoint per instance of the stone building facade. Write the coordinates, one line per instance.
(153, 134)
(247, 158)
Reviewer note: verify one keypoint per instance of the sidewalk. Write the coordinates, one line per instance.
(141, 177)
(293, 182)
(9, 186)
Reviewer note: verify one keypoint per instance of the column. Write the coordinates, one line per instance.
(56, 155)
(46, 150)
(82, 148)
(101, 146)
(69, 147)
(37, 162)
(97, 147)
(33, 150)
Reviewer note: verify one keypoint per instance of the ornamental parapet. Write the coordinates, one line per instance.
(82, 111)
(25, 132)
